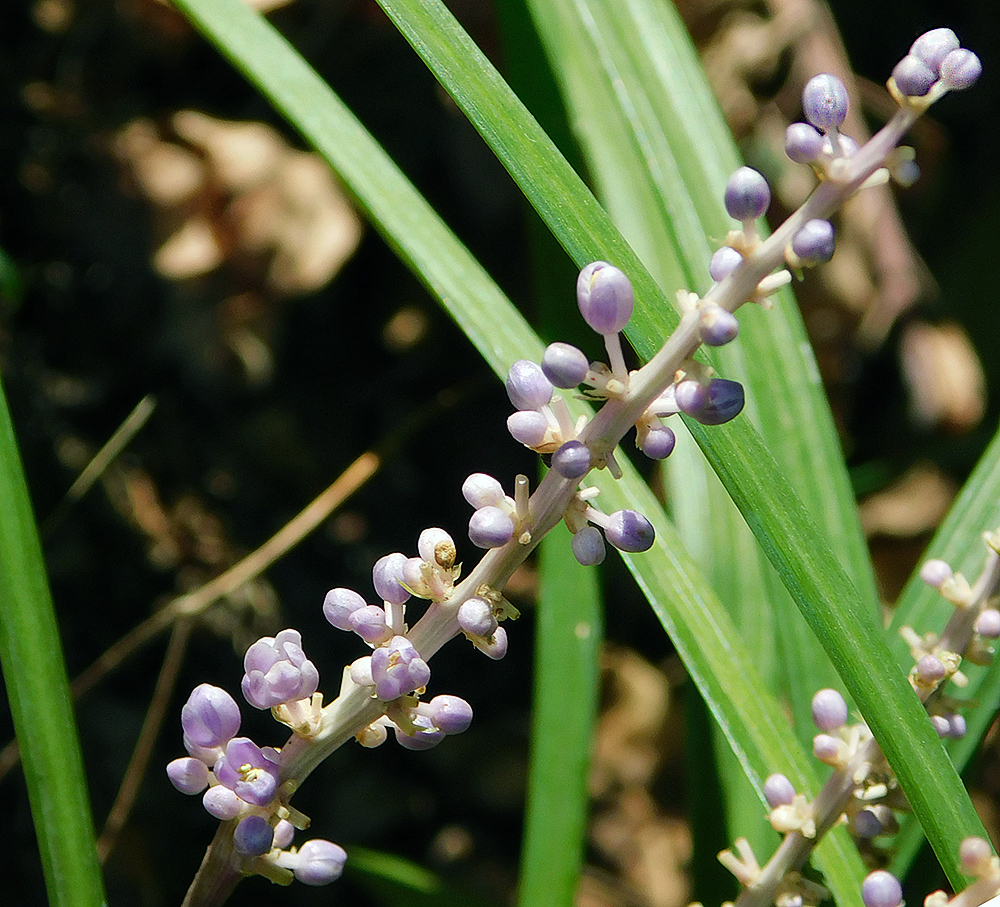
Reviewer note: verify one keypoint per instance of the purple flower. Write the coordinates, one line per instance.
(605, 297)
(494, 646)
(778, 790)
(422, 739)
(717, 326)
(960, 69)
(935, 571)
(803, 143)
(490, 527)
(572, 460)
(725, 402)
(253, 836)
(829, 711)
(564, 365)
(933, 46)
(723, 263)
(527, 386)
(450, 714)
(814, 242)
(316, 862)
(277, 671)
(211, 717)
(481, 490)
(588, 546)
(221, 802)
(369, 623)
(629, 530)
(398, 669)
(248, 771)
(475, 617)
(339, 605)
(913, 77)
(881, 889)
(527, 427)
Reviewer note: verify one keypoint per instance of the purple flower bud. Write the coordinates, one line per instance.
(564, 365)
(572, 460)
(247, 771)
(481, 490)
(933, 46)
(747, 194)
(494, 646)
(278, 671)
(778, 790)
(724, 262)
(725, 402)
(628, 530)
(717, 326)
(941, 725)
(803, 143)
(826, 748)
(317, 862)
(210, 717)
(284, 832)
(437, 547)
(866, 824)
(490, 527)
(475, 617)
(339, 605)
(988, 624)
(398, 669)
(361, 671)
(930, 669)
(913, 77)
(957, 727)
(188, 775)
(527, 386)
(829, 711)
(221, 802)
(588, 546)
(659, 442)
(253, 836)
(691, 396)
(974, 854)
(960, 69)
(386, 574)
(881, 889)
(369, 623)
(824, 101)
(814, 242)
(934, 572)
(450, 714)
(421, 740)
(604, 295)
(528, 427)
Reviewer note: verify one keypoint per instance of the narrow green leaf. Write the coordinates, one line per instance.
(397, 882)
(568, 635)
(38, 690)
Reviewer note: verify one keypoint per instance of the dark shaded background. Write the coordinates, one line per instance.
(93, 328)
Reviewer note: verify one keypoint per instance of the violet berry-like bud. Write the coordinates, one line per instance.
(253, 836)
(527, 386)
(564, 365)
(339, 605)
(386, 576)
(528, 427)
(723, 263)
(933, 46)
(866, 824)
(450, 714)
(725, 402)
(957, 726)
(572, 460)
(803, 143)
(814, 242)
(278, 671)
(829, 711)
(935, 571)
(475, 617)
(494, 646)
(778, 790)
(824, 101)
(659, 442)
(605, 297)
(960, 69)
(881, 889)
(188, 775)
(398, 669)
(717, 326)
(369, 623)
(316, 862)
(481, 490)
(930, 670)
(588, 546)
(490, 527)
(221, 802)
(827, 749)
(423, 739)
(747, 194)
(210, 717)
(940, 724)
(247, 770)
(629, 530)
(691, 396)
(913, 77)
(988, 624)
